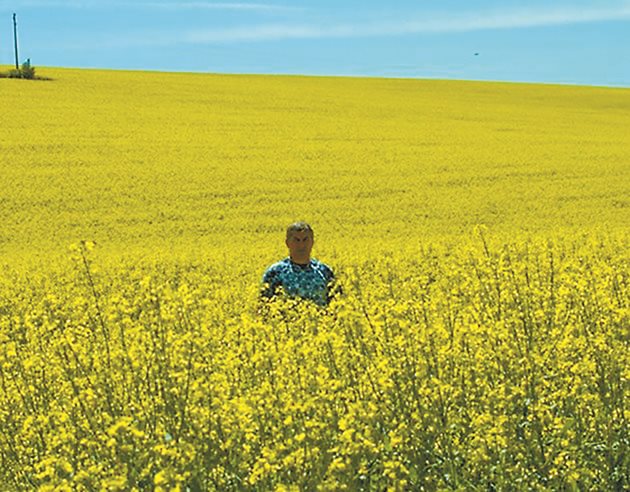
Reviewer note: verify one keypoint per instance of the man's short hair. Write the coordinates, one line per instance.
(300, 226)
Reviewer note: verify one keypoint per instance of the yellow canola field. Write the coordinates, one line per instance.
(156, 161)
(479, 232)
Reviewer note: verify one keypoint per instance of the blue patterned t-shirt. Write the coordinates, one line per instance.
(312, 281)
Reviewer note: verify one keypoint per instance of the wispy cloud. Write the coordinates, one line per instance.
(513, 19)
(165, 5)
(216, 6)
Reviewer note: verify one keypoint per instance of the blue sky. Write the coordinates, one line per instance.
(575, 42)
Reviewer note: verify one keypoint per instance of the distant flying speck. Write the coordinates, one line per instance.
(476, 54)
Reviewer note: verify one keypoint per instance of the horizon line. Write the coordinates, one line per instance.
(334, 75)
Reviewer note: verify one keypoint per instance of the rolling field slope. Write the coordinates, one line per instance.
(159, 160)
(479, 232)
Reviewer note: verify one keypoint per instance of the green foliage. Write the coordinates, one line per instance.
(11, 74)
(26, 71)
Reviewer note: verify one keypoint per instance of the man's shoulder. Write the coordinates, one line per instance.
(320, 265)
(277, 267)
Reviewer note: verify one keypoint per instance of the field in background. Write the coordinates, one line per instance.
(155, 161)
(479, 231)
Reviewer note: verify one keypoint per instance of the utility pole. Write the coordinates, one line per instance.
(17, 63)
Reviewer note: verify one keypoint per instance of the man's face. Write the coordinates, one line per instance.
(300, 244)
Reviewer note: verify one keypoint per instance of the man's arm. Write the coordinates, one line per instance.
(333, 286)
(270, 284)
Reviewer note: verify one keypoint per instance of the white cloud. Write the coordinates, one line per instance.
(513, 19)
(215, 6)
(168, 4)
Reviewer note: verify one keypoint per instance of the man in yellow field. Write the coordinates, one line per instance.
(299, 275)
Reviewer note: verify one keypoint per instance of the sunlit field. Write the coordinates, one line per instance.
(479, 232)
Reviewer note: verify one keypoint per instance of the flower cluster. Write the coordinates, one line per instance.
(493, 366)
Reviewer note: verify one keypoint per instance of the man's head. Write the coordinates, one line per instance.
(300, 240)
